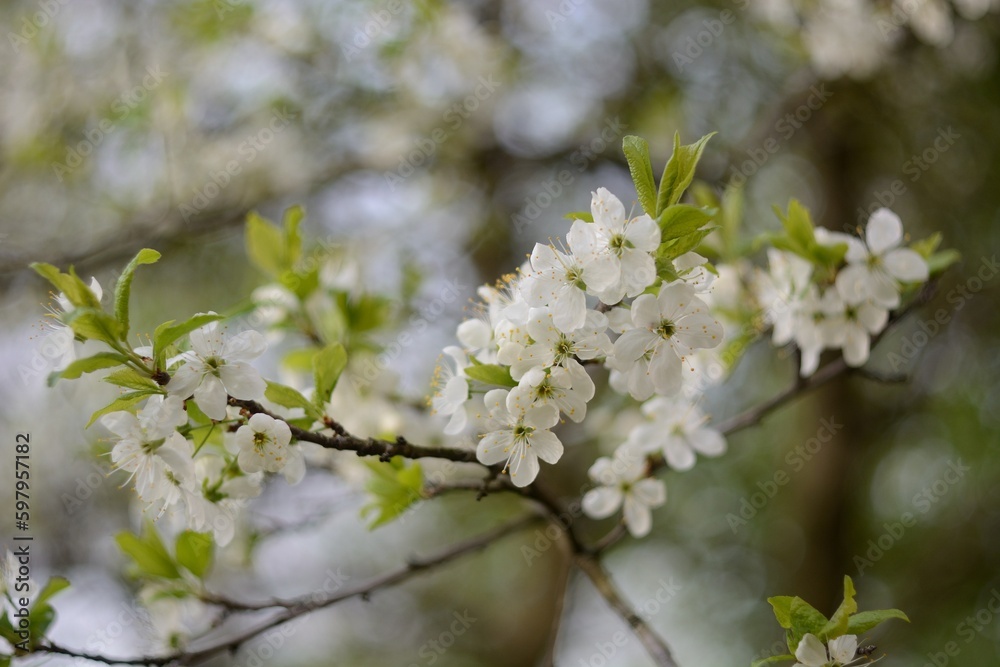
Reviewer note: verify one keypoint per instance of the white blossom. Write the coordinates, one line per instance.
(568, 388)
(812, 653)
(677, 429)
(217, 366)
(875, 268)
(617, 246)
(521, 437)
(667, 329)
(561, 281)
(623, 482)
(158, 457)
(264, 445)
(453, 393)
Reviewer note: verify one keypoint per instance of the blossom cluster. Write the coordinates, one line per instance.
(598, 301)
(205, 484)
(843, 314)
(602, 301)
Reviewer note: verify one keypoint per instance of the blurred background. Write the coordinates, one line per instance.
(442, 140)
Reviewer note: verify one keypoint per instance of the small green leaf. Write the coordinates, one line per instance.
(637, 155)
(123, 287)
(88, 365)
(493, 374)
(395, 486)
(782, 605)
(926, 247)
(265, 246)
(42, 614)
(148, 553)
(131, 379)
(122, 403)
(866, 620)
(677, 247)
(837, 625)
(69, 284)
(194, 551)
(94, 324)
(586, 216)
(288, 397)
(293, 240)
(679, 172)
(328, 364)
(168, 332)
(53, 586)
(773, 659)
(805, 619)
(681, 219)
(940, 261)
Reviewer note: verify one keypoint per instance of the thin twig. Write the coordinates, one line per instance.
(656, 647)
(294, 608)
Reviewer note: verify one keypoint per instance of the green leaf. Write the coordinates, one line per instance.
(493, 374)
(926, 247)
(805, 619)
(782, 605)
(772, 659)
(132, 379)
(53, 586)
(265, 246)
(194, 551)
(293, 239)
(328, 364)
(637, 155)
(123, 288)
(940, 261)
(679, 172)
(94, 324)
(123, 403)
(148, 553)
(168, 332)
(837, 625)
(69, 284)
(88, 365)
(586, 216)
(866, 620)
(288, 397)
(42, 613)
(681, 219)
(395, 486)
(677, 247)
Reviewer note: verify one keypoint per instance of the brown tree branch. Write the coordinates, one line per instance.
(295, 608)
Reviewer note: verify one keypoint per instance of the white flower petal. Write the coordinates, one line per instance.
(638, 518)
(602, 502)
(242, 381)
(885, 230)
(906, 265)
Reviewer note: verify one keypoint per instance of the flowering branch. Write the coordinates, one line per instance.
(385, 450)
